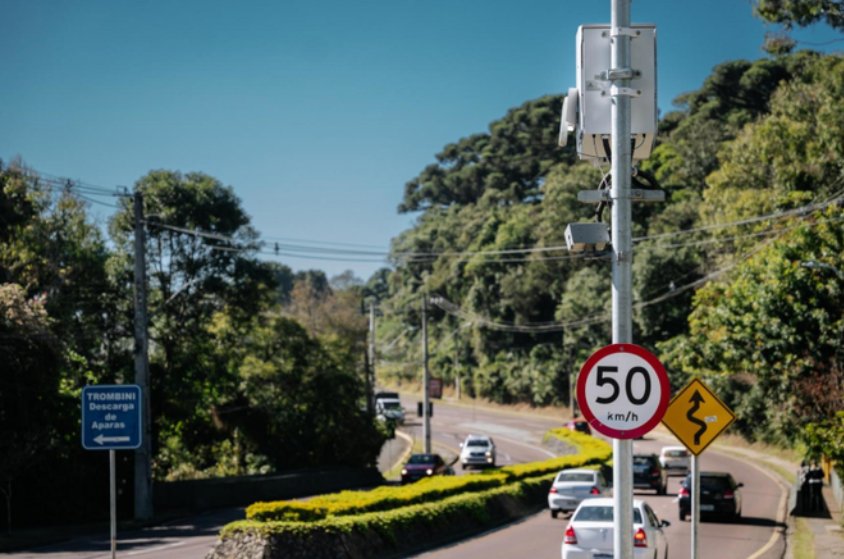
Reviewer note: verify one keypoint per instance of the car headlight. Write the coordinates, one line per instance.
(489, 453)
(429, 472)
(404, 472)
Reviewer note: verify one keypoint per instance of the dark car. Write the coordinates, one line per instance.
(424, 465)
(648, 473)
(579, 425)
(719, 496)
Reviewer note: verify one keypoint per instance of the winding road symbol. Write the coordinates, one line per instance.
(696, 401)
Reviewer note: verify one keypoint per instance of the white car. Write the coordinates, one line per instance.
(674, 460)
(571, 487)
(590, 532)
(477, 450)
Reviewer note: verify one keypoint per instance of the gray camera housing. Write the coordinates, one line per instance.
(582, 237)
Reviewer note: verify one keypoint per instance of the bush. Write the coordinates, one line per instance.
(592, 451)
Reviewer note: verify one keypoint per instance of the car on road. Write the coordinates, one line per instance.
(388, 409)
(579, 425)
(675, 459)
(572, 487)
(477, 450)
(589, 534)
(420, 466)
(648, 473)
(719, 496)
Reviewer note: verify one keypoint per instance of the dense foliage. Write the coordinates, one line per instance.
(254, 368)
(751, 163)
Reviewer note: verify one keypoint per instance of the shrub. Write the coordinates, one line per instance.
(592, 451)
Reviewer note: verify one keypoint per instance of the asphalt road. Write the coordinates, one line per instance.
(518, 439)
(540, 536)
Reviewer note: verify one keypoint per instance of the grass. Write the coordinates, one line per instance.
(802, 541)
(737, 441)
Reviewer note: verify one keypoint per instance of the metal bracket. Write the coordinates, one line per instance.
(636, 195)
(623, 32)
(620, 74)
(616, 91)
(623, 257)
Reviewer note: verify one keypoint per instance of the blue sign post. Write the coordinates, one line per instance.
(111, 420)
(111, 417)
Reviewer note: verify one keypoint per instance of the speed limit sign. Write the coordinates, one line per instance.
(623, 391)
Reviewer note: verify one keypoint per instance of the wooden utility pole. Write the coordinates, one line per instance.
(143, 455)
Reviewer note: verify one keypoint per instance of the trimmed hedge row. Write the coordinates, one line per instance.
(383, 498)
(376, 534)
(592, 451)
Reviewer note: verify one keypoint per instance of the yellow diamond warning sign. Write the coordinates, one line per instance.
(697, 416)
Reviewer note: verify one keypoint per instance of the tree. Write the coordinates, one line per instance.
(801, 13)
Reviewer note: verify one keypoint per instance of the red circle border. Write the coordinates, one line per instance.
(662, 376)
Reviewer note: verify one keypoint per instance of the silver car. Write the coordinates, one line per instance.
(477, 450)
(572, 487)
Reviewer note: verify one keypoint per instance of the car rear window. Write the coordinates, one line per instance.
(717, 483)
(602, 514)
(677, 453)
(643, 460)
(586, 477)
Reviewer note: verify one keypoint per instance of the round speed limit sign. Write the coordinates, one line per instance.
(623, 391)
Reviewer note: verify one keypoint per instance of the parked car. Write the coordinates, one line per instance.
(589, 534)
(571, 487)
(719, 496)
(675, 459)
(477, 450)
(648, 473)
(579, 425)
(424, 465)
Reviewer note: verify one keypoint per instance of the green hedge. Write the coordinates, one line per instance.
(430, 490)
(383, 498)
(392, 524)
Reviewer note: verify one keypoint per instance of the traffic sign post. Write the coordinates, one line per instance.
(111, 420)
(697, 416)
(623, 391)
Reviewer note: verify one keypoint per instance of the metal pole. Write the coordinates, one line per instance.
(457, 360)
(426, 418)
(622, 243)
(695, 507)
(113, 502)
(371, 371)
(143, 455)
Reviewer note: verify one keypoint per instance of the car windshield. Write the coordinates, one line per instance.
(712, 483)
(421, 459)
(389, 395)
(585, 477)
(676, 453)
(391, 405)
(602, 514)
(642, 460)
(477, 442)
(582, 427)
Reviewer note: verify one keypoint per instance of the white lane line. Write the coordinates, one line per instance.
(540, 449)
(781, 510)
(157, 548)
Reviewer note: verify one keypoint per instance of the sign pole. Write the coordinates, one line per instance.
(622, 257)
(695, 507)
(113, 483)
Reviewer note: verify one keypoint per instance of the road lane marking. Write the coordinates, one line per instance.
(781, 510)
(157, 548)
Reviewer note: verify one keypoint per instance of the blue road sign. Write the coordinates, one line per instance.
(111, 417)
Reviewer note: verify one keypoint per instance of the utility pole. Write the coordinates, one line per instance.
(622, 259)
(369, 395)
(426, 417)
(370, 405)
(143, 455)
(457, 361)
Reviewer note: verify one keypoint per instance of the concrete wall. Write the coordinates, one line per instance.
(205, 494)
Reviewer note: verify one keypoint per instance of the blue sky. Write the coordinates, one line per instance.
(316, 112)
